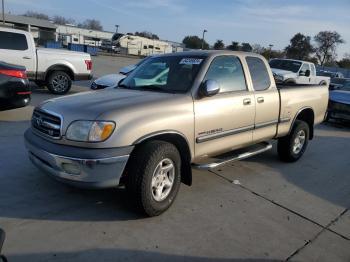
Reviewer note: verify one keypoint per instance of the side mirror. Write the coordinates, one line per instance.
(307, 73)
(209, 88)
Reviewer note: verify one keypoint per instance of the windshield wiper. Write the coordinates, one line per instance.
(154, 88)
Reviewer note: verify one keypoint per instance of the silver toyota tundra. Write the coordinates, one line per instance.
(173, 113)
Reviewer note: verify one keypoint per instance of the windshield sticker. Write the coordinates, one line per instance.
(190, 61)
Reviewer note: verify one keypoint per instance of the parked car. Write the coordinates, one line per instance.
(112, 80)
(296, 72)
(148, 135)
(339, 100)
(14, 86)
(331, 74)
(54, 68)
(338, 83)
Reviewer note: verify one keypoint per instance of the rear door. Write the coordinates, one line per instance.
(226, 120)
(266, 98)
(16, 49)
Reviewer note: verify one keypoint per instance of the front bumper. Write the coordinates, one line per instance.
(88, 168)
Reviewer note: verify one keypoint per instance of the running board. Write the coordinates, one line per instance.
(233, 156)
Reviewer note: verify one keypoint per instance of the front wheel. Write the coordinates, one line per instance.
(153, 176)
(291, 147)
(59, 82)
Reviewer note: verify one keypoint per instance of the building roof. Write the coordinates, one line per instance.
(18, 19)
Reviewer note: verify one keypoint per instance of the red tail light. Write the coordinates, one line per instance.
(14, 73)
(88, 64)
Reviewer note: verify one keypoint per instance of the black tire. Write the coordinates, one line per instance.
(59, 82)
(140, 171)
(285, 145)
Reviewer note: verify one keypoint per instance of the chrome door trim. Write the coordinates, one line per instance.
(230, 132)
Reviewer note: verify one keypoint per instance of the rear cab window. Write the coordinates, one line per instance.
(13, 41)
(259, 74)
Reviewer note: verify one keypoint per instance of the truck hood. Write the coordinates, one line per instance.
(284, 73)
(91, 105)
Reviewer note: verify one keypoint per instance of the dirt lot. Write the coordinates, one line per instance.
(255, 210)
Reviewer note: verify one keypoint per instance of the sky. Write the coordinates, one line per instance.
(261, 22)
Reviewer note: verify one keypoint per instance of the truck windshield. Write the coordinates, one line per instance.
(288, 65)
(173, 74)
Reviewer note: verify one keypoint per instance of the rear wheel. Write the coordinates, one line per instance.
(291, 147)
(153, 176)
(59, 82)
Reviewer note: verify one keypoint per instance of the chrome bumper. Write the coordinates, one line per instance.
(80, 172)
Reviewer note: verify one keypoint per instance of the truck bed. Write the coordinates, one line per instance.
(296, 97)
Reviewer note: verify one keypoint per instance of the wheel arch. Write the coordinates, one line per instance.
(307, 115)
(181, 143)
(59, 67)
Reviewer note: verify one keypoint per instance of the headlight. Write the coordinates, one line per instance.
(278, 77)
(90, 131)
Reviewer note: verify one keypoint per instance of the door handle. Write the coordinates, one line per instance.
(26, 57)
(246, 101)
(260, 100)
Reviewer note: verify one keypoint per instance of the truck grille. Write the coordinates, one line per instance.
(46, 123)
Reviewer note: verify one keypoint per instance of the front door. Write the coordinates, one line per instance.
(224, 121)
(304, 75)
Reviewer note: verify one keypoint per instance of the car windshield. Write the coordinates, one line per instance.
(288, 65)
(173, 74)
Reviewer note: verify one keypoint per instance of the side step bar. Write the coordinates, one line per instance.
(233, 156)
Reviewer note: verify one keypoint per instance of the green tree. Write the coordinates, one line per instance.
(326, 45)
(194, 42)
(246, 47)
(300, 47)
(60, 20)
(147, 34)
(219, 45)
(92, 24)
(234, 46)
(345, 62)
(36, 15)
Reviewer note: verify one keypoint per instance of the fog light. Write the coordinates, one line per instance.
(69, 168)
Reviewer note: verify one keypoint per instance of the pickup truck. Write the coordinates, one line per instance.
(296, 72)
(209, 109)
(54, 68)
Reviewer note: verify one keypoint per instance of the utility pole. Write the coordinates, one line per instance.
(116, 28)
(3, 11)
(270, 45)
(204, 31)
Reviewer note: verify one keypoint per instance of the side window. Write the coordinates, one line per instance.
(313, 70)
(304, 68)
(228, 72)
(259, 73)
(13, 41)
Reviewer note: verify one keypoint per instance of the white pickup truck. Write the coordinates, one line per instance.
(54, 68)
(296, 72)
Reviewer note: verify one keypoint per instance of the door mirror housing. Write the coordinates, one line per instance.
(307, 73)
(209, 88)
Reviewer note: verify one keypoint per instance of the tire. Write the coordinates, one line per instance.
(287, 148)
(59, 83)
(142, 174)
